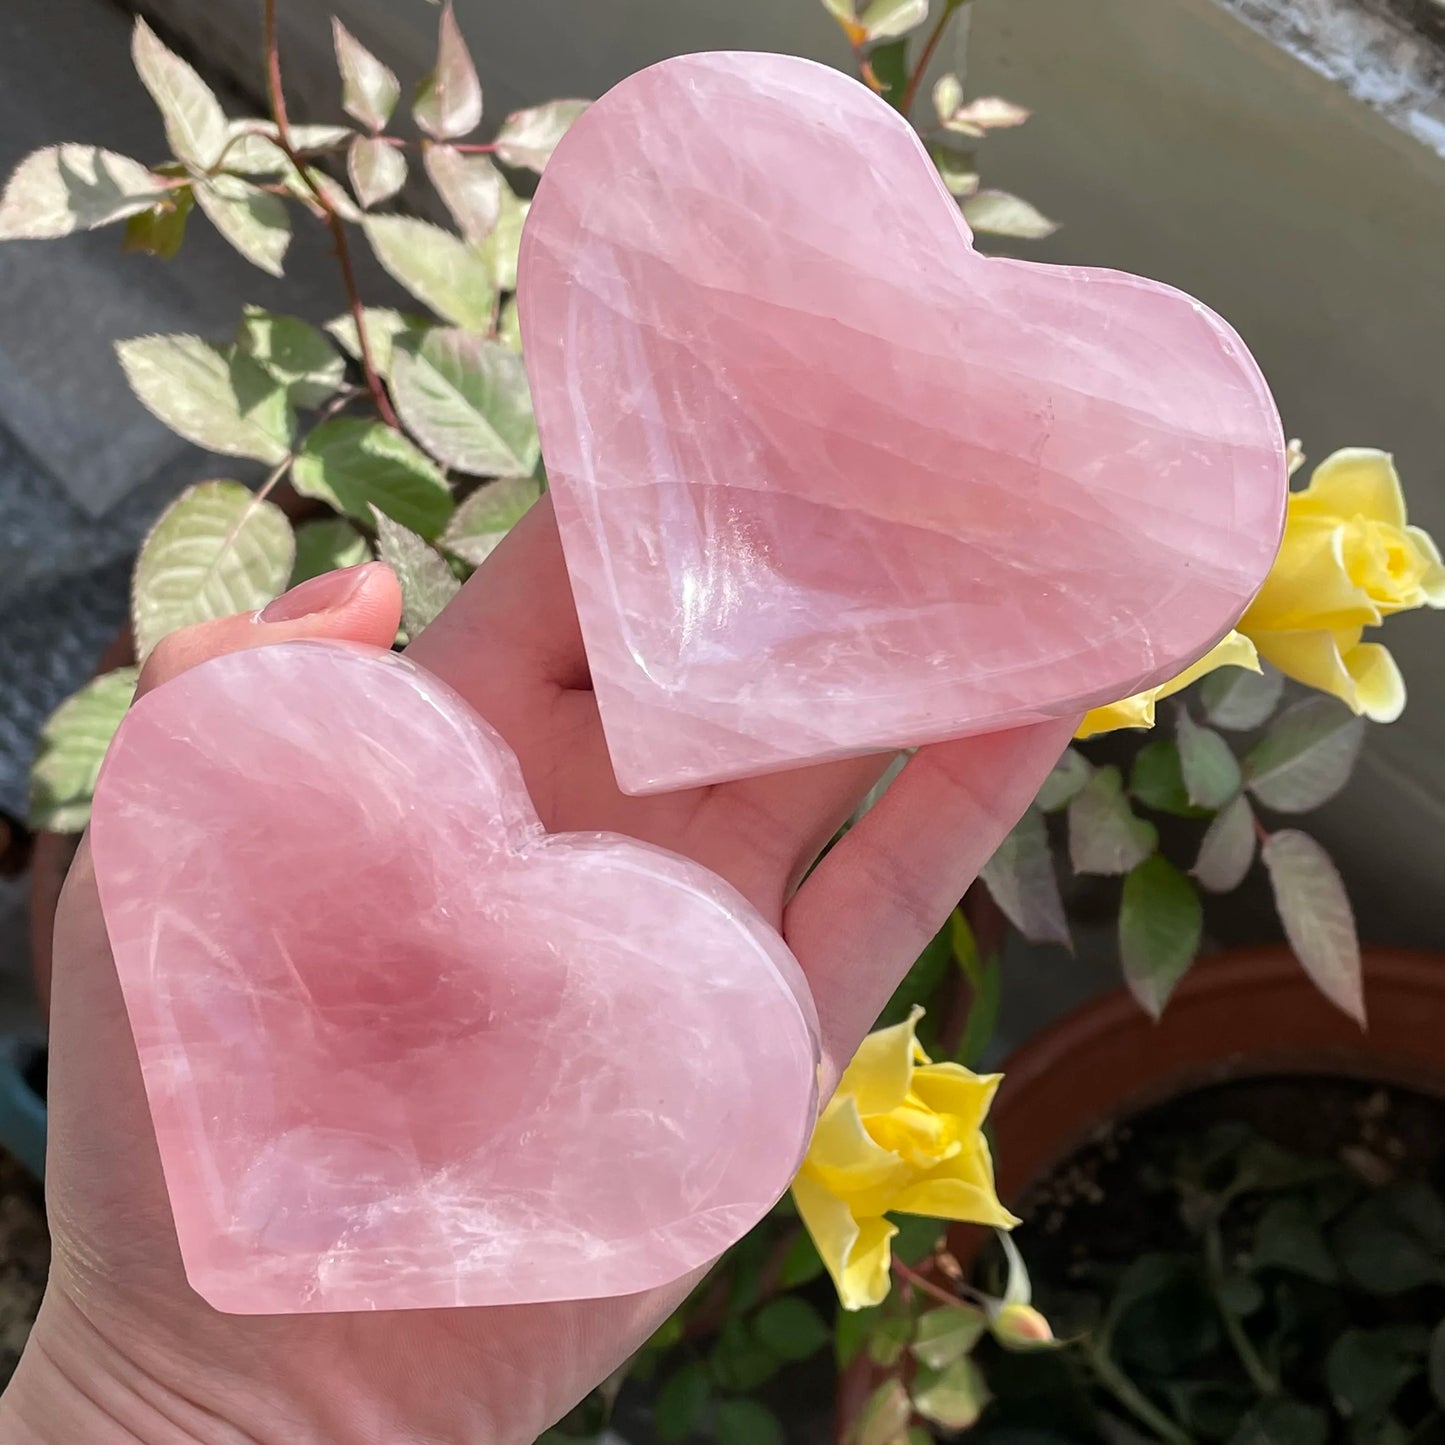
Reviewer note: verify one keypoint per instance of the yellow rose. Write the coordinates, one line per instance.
(900, 1134)
(1349, 559)
(1138, 711)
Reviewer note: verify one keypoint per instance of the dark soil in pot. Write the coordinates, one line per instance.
(24, 1260)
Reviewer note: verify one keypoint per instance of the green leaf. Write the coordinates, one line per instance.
(1306, 757)
(253, 145)
(681, 1401)
(1160, 922)
(470, 187)
(194, 121)
(217, 550)
(1393, 1240)
(740, 1361)
(885, 19)
(354, 465)
(801, 1264)
(369, 91)
(220, 400)
(252, 220)
(1161, 1316)
(1210, 771)
(1227, 849)
(1310, 897)
(449, 102)
(377, 170)
(71, 748)
(985, 981)
(1157, 780)
(1238, 699)
(295, 354)
(501, 247)
(383, 326)
(438, 268)
(1065, 782)
(947, 96)
(746, 1422)
(1020, 878)
(485, 517)
(1282, 1422)
(953, 1397)
(1366, 1369)
(427, 583)
(791, 1328)
(1436, 1364)
(889, 64)
(1288, 1237)
(1104, 835)
(466, 399)
(945, 1335)
(160, 230)
(996, 213)
(67, 188)
(528, 137)
(884, 1416)
(957, 169)
(327, 545)
(851, 1330)
(986, 113)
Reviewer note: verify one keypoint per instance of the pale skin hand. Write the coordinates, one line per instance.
(124, 1351)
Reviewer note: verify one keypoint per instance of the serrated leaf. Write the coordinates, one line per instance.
(1227, 849)
(959, 172)
(377, 170)
(528, 137)
(466, 399)
(1306, 756)
(66, 188)
(439, 269)
(1310, 898)
(884, 1416)
(1156, 779)
(485, 517)
(427, 583)
(327, 545)
(1064, 782)
(885, 19)
(295, 354)
(160, 230)
(791, 1328)
(337, 197)
(383, 326)
(1160, 923)
(252, 220)
(252, 145)
(355, 465)
(1020, 878)
(945, 1335)
(509, 326)
(195, 124)
(1210, 769)
(369, 90)
(988, 112)
(953, 1397)
(501, 248)
(71, 748)
(1104, 835)
(470, 187)
(222, 401)
(449, 103)
(947, 96)
(996, 213)
(217, 550)
(1238, 699)
(747, 1422)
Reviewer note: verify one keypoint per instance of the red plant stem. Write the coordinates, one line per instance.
(930, 46)
(927, 1286)
(277, 97)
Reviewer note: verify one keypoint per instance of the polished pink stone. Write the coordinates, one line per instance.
(828, 480)
(402, 1048)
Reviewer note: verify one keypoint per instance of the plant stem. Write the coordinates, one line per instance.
(925, 58)
(927, 1286)
(1259, 1373)
(277, 97)
(1132, 1398)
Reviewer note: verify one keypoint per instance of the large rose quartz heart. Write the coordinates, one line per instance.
(828, 480)
(402, 1048)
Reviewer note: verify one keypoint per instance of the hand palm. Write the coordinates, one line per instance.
(510, 645)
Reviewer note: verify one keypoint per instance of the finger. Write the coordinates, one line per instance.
(870, 906)
(357, 604)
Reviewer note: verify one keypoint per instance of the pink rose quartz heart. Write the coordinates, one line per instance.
(402, 1048)
(831, 482)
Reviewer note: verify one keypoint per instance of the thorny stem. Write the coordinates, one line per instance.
(277, 97)
(1132, 1398)
(930, 46)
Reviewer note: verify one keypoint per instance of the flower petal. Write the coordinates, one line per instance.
(1130, 712)
(1315, 658)
(960, 1188)
(1354, 482)
(1310, 583)
(882, 1070)
(952, 1089)
(855, 1253)
(1379, 688)
(1433, 582)
(844, 1158)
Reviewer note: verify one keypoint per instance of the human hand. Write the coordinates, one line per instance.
(125, 1351)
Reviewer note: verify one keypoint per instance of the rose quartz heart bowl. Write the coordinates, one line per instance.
(401, 1047)
(828, 480)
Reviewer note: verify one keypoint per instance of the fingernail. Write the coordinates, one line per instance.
(317, 594)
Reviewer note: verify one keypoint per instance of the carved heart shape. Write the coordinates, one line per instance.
(402, 1048)
(828, 480)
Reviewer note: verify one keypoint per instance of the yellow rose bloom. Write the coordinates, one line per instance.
(1349, 559)
(1138, 711)
(901, 1134)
